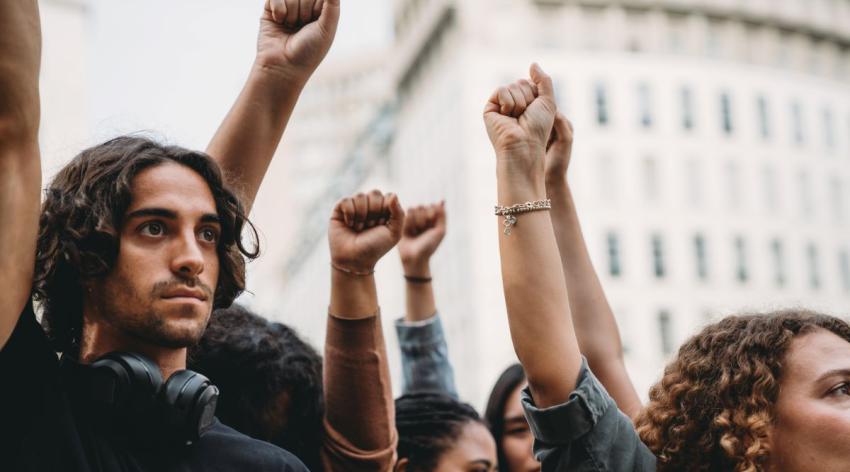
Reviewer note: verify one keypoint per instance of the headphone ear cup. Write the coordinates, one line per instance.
(125, 382)
(189, 400)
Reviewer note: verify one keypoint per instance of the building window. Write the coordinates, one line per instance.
(797, 122)
(665, 331)
(777, 252)
(763, 117)
(693, 180)
(602, 117)
(828, 129)
(771, 196)
(687, 97)
(726, 112)
(701, 256)
(614, 265)
(844, 263)
(658, 265)
(812, 260)
(644, 98)
(807, 203)
(836, 191)
(741, 271)
(733, 181)
(651, 182)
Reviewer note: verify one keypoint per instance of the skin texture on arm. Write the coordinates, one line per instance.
(359, 417)
(294, 37)
(518, 120)
(424, 230)
(594, 322)
(20, 167)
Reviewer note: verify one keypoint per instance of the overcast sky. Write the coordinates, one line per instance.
(176, 66)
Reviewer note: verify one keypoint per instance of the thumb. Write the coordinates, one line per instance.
(541, 79)
(329, 19)
(396, 221)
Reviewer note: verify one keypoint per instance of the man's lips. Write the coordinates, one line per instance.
(185, 293)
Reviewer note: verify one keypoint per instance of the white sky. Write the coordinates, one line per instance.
(175, 67)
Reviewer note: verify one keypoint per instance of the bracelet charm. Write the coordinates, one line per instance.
(510, 212)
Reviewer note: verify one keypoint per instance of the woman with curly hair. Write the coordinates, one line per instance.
(749, 393)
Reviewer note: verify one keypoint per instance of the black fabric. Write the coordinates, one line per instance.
(42, 427)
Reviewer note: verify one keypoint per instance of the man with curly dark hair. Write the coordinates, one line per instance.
(136, 243)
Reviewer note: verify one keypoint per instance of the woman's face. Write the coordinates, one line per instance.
(812, 426)
(517, 439)
(474, 451)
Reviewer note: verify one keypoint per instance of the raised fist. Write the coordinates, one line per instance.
(560, 148)
(363, 228)
(424, 229)
(295, 35)
(519, 118)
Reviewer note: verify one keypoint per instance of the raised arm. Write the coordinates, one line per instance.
(294, 38)
(424, 353)
(595, 325)
(359, 413)
(518, 122)
(20, 167)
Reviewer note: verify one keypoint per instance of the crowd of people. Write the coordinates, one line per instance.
(139, 360)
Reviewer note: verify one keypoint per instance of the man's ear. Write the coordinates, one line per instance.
(401, 465)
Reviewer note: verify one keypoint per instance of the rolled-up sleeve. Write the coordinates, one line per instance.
(586, 433)
(425, 357)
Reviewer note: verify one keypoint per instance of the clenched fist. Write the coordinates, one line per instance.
(424, 229)
(363, 228)
(519, 118)
(559, 149)
(295, 35)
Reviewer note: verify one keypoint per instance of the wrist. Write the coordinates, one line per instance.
(267, 69)
(352, 266)
(417, 268)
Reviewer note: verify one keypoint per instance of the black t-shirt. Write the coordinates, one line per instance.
(42, 429)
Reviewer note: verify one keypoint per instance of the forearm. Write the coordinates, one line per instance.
(250, 133)
(20, 59)
(595, 326)
(357, 373)
(419, 295)
(536, 299)
(425, 362)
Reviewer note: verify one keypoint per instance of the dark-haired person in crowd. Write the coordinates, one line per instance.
(135, 244)
(749, 393)
(424, 353)
(269, 378)
(437, 433)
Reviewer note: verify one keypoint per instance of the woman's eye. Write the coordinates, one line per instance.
(153, 228)
(843, 389)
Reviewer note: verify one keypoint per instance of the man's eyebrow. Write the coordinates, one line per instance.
(145, 212)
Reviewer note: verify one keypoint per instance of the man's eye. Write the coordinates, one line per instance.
(842, 389)
(153, 228)
(209, 235)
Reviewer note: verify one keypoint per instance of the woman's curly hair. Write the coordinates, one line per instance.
(714, 407)
(82, 215)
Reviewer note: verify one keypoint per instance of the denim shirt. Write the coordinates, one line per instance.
(586, 433)
(425, 357)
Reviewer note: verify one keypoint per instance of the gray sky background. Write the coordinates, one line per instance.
(175, 67)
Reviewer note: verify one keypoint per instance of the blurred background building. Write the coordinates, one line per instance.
(711, 164)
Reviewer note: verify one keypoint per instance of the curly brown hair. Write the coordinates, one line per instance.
(714, 406)
(81, 217)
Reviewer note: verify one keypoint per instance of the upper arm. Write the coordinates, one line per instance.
(20, 182)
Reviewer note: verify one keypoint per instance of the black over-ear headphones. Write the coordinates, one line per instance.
(128, 387)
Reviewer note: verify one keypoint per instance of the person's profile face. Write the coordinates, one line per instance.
(161, 288)
(517, 440)
(811, 429)
(473, 451)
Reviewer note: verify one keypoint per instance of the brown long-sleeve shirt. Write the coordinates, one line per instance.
(360, 415)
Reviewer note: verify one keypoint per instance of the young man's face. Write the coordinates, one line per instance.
(162, 286)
